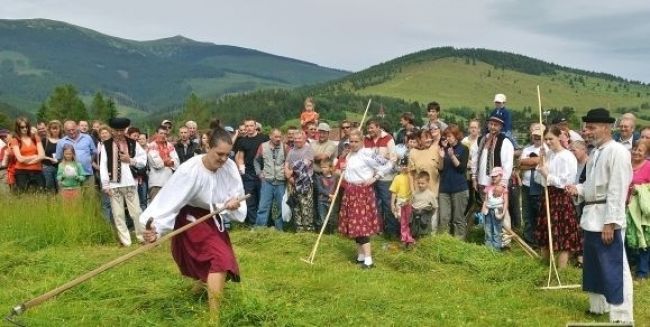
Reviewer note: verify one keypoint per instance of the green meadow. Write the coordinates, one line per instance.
(441, 282)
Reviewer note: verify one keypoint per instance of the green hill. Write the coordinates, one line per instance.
(37, 54)
(470, 77)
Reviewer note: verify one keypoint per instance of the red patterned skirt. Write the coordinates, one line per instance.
(203, 249)
(565, 227)
(358, 216)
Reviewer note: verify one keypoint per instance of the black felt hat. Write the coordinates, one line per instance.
(119, 123)
(598, 115)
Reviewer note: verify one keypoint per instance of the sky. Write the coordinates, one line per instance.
(603, 36)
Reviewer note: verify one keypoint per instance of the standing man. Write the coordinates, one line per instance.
(383, 145)
(269, 166)
(324, 148)
(346, 128)
(407, 121)
(41, 127)
(84, 127)
(84, 148)
(433, 113)
(185, 147)
(606, 273)
(531, 190)
(119, 153)
(163, 161)
(494, 150)
(245, 150)
(626, 134)
(192, 128)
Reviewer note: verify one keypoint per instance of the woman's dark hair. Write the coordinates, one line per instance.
(19, 121)
(553, 130)
(217, 135)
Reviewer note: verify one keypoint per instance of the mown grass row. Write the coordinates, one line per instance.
(441, 282)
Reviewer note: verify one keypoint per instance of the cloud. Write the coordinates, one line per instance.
(353, 35)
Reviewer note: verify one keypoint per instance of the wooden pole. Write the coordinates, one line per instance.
(19, 309)
(551, 265)
(312, 255)
(521, 242)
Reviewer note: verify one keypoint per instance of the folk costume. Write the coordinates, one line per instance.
(194, 191)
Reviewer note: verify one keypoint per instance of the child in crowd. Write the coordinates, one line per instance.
(309, 114)
(325, 186)
(425, 205)
(70, 174)
(400, 201)
(494, 209)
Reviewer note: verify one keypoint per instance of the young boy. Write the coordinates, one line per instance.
(494, 209)
(325, 186)
(425, 205)
(400, 202)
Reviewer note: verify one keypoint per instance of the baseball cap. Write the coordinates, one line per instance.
(324, 127)
(496, 171)
(501, 98)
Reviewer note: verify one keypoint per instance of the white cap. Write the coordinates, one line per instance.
(324, 127)
(501, 98)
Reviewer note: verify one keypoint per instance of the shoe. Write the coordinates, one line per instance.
(358, 262)
(591, 313)
(365, 266)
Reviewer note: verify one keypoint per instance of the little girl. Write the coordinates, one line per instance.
(494, 209)
(400, 189)
(308, 114)
(70, 174)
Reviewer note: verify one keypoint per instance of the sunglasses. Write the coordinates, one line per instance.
(345, 127)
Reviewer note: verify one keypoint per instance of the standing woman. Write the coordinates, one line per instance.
(28, 150)
(204, 146)
(201, 185)
(558, 170)
(454, 191)
(638, 226)
(426, 157)
(50, 164)
(359, 218)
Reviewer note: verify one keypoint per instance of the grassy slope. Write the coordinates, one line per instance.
(442, 282)
(454, 83)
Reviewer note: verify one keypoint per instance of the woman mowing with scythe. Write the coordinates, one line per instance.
(201, 184)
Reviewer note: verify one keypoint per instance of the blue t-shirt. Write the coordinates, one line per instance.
(84, 148)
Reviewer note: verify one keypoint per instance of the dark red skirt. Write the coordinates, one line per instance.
(203, 249)
(358, 216)
(564, 222)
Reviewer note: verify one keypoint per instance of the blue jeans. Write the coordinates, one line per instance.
(251, 186)
(382, 192)
(492, 227)
(106, 207)
(142, 194)
(268, 194)
(530, 207)
(643, 263)
(49, 173)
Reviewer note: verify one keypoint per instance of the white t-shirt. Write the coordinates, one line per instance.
(525, 154)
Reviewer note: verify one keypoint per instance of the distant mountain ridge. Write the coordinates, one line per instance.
(38, 54)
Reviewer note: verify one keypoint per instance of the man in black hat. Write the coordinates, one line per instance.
(117, 154)
(495, 149)
(606, 274)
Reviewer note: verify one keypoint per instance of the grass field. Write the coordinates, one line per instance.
(454, 83)
(441, 282)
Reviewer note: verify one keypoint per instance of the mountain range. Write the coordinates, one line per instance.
(38, 54)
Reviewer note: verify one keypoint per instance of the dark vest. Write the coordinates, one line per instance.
(495, 160)
(110, 158)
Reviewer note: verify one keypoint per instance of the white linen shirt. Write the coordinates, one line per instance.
(562, 169)
(194, 185)
(139, 161)
(364, 165)
(609, 174)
